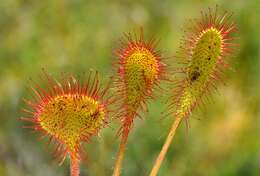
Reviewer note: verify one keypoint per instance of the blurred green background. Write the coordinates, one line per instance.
(73, 36)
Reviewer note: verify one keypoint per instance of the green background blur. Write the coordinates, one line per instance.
(74, 36)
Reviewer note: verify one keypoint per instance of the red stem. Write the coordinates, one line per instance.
(74, 165)
(121, 151)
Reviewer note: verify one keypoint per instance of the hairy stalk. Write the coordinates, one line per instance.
(165, 147)
(74, 165)
(121, 151)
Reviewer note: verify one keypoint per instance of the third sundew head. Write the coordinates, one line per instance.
(204, 52)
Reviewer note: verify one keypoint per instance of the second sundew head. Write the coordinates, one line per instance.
(139, 70)
(204, 58)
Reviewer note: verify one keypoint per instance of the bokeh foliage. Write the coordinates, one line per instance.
(73, 36)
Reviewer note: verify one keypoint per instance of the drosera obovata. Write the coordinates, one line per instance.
(202, 59)
(139, 70)
(68, 112)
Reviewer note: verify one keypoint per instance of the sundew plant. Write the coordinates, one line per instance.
(203, 59)
(139, 70)
(69, 111)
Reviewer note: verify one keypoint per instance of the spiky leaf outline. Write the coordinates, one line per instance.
(128, 44)
(210, 20)
(70, 86)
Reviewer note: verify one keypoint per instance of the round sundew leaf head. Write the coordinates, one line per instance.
(69, 112)
(69, 117)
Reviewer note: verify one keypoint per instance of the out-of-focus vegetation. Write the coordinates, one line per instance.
(73, 36)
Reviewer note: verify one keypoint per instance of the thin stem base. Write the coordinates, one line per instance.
(165, 147)
(74, 165)
(120, 154)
